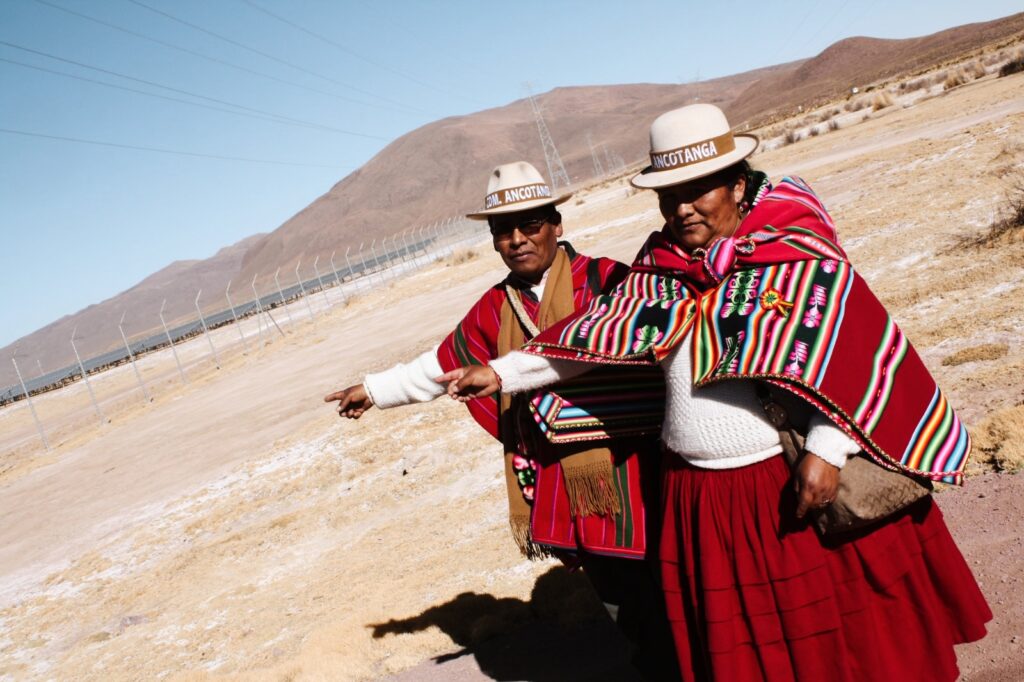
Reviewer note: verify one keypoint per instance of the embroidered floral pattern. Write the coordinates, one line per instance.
(669, 288)
(730, 362)
(646, 336)
(526, 474)
(797, 359)
(817, 300)
(740, 294)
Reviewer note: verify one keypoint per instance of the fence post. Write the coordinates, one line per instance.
(31, 407)
(316, 270)
(284, 303)
(206, 331)
(259, 312)
(231, 305)
(376, 262)
(174, 350)
(302, 289)
(127, 347)
(85, 376)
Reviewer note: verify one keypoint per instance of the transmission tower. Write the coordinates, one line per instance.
(598, 169)
(614, 161)
(556, 171)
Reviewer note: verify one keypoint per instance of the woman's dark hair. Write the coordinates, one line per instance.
(731, 175)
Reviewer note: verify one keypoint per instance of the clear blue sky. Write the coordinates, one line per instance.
(80, 222)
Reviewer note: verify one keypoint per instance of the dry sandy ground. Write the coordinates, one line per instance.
(236, 528)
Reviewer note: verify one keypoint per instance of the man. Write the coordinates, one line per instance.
(577, 503)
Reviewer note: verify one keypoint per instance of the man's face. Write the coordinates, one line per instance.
(526, 241)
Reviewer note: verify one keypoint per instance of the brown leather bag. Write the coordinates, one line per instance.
(868, 492)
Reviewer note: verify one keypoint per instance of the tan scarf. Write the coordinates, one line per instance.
(588, 471)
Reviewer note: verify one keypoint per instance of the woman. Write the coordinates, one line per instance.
(746, 286)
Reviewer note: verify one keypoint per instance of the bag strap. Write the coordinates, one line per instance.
(516, 302)
(776, 413)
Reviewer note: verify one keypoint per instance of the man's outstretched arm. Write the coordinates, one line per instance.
(403, 384)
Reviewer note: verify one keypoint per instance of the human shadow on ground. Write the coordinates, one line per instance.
(562, 633)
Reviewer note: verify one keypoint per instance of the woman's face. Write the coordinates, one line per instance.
(700, 211)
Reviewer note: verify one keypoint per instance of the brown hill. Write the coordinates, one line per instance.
(439, 170)
(860, 61)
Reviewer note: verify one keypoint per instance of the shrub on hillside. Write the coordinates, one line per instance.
(791, 137)
(993, 58)
(916, 84)
(975, 69)
(855, 104)
(954, 79)
(881, 100)
(460, 257)
(833, 124)
(1012, 66)
(814, 132)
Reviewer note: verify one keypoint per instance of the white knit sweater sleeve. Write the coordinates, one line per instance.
(524, 371)
(829, 442)
(412, 382)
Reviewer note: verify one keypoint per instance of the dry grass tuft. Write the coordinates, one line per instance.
(791, 137)
(986, 351)
(916, 84)
(954, 79)
(1009, 227)
(833, 125)
(856, 104)
(1013, 66)
(999, 439)
(460, 257)
(880, 101)
(975, 69)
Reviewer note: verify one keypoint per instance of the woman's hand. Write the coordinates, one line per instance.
(816, 483)
(469, 383)
(352, 401)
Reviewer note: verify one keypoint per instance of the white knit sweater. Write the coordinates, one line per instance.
(413, 382)
(721, 426)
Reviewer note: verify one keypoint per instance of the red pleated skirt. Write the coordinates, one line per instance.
(753, 594)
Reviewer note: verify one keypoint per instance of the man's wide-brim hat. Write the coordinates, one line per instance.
(516, 187)
(690, 143)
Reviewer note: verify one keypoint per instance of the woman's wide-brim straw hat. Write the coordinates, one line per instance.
(690, 143)
(516, 187)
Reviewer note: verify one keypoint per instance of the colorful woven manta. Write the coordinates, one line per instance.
(778, 301)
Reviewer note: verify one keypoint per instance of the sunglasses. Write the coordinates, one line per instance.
(503, 229)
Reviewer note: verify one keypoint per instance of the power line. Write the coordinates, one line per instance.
(217, 60)
(162, 150)
(347, 50)
(789, 40)
(417, 34)
(258, 117)
(835, 14)
(270, 56)
(281, 117)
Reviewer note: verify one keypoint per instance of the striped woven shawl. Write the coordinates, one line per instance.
(779, 302)
(541, 477)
